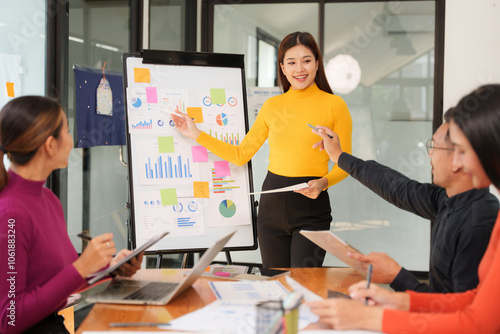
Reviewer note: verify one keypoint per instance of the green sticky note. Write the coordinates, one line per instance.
(168, 196)
(166, 145)
(218, 95)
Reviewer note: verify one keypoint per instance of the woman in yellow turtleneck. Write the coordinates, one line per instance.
(283, 119)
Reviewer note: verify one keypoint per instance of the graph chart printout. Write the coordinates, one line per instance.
(176, 184)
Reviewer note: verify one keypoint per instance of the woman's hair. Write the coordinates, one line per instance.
(478, 116)
(25, 124)
(306, 39)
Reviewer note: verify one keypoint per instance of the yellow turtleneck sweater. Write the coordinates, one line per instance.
(283, 120)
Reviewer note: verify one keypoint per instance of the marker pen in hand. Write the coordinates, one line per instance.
(315, 128)
(368, 279)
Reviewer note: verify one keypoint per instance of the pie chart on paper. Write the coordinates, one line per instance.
(227, 208)
(222, 119)
(136, 102)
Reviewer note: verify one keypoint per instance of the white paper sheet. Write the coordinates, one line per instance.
(279, 190)
(227, 317)
(244, 291)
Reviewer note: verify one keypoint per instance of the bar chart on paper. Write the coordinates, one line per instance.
(230, 138)
(223, 184)
(163, 159)
(167, 167)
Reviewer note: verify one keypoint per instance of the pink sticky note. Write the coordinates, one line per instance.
(222, 168)
(200, 154)
(222, 274)
(151, 96)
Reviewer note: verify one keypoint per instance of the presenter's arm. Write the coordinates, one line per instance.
(236, 154)
(343, 127)
(422, 199)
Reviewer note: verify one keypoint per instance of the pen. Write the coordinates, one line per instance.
(315, 128)
(368, 279)
(138, 324)
(83, 236)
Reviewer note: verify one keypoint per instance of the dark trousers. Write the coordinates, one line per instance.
(281, 217)
(53, 324)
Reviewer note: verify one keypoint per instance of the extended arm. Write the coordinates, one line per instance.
(420, 198)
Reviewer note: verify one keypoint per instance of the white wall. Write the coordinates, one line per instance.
(472, 47)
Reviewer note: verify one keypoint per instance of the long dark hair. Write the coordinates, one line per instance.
(306, 39)
(25, 124)
(478, 116)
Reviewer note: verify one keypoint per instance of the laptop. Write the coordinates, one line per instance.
(129, 291)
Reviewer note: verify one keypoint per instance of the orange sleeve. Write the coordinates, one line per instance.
(474, 311)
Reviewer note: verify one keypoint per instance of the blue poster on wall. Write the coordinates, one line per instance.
(95, 128)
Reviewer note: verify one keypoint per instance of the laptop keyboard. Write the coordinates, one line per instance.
(153, 291)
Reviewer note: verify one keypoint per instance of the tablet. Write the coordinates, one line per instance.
(101, 274)
(335, 246)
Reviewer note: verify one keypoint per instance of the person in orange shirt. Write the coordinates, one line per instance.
(307, 99)
(475, 135)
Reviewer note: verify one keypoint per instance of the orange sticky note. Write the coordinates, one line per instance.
(196, 113)
(10, 89)
(142, 75)
(201, 189)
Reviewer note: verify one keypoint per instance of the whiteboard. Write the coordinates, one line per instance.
(176, 185)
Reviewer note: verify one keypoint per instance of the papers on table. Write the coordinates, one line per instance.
(235, 311)
(254, 291)
(335, 246)
(279, 190)
(227, 317)
(309, 296)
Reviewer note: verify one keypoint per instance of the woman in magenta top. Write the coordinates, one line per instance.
(40, 267)
(475, 134)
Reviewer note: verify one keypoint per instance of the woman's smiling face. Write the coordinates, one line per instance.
(299, 66)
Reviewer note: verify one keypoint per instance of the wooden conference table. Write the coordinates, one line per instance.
(318, 280)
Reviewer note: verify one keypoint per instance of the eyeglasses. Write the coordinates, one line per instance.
(429, 145)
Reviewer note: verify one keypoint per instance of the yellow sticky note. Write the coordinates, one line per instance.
(201, 189)
(142, 75)
(196, 113)
(10, 89)
(168, 197)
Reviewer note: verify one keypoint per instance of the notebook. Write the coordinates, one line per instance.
(129, 291)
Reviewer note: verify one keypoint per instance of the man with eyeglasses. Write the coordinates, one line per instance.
(463, 216)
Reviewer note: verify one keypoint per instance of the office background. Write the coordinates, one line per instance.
(393, 107)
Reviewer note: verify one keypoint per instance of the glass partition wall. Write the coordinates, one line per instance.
(380, 58)
(99, 34)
